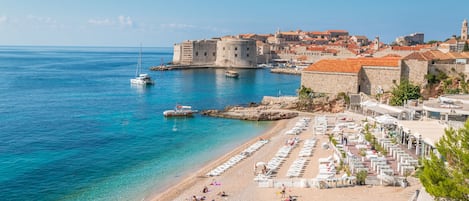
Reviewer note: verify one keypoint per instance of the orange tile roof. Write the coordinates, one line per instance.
(289, 33)
(391, 55)
(437, 55)
(320, 33)
(337, 31)
(351, 65)
(316, 48)
(451, 41)
(406, 48)
(361, 37)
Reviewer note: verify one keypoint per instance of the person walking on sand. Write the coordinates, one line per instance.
(283, 190)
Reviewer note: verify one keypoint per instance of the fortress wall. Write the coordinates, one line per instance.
(233, 52)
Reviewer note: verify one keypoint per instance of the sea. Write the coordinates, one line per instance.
(73, 128)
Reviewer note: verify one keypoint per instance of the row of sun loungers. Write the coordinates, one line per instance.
(297, 168)
(235, 159)
(326, 168)
(307, 149)
(299, 127)
(343, 181)
(279, 157)
(356, 165)
(405, 162)
(320, 125)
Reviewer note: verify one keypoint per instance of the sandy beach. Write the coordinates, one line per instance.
(238, 181)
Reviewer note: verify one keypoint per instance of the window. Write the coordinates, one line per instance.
(223, 48)
(213, 54)
(236, 48)
(394, 81)
(248, 49)
(236, 55)
(205, 53)
(196, 53)
(247, 55)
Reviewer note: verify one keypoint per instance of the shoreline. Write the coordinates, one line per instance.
(239, 184)
(178, 187)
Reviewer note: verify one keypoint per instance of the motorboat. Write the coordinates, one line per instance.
(180, 111)
(231, 73)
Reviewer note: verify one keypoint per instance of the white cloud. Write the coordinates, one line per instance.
(44, 20)
(178, 26)
(3, 19)
(122, 21)
(195, 27)
(125, 21)
(105, 21)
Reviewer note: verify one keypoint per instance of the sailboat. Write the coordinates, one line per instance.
(141, 78)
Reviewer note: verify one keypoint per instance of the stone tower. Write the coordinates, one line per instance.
(376, 43)
(464, 30)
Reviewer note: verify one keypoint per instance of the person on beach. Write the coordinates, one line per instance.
(222, 194)
(194, 198)
(205, 190)
(283, 190)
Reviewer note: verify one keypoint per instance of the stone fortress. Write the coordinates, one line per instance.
(220, 52)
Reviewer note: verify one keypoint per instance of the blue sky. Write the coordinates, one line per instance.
(160, 23)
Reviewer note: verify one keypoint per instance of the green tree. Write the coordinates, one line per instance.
(466, 47)
(447, 177)
(404, 91)
(305, 93)
(305, 96)
(432, 41)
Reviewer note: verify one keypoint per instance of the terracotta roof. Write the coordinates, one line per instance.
(337, 31)
(406, 48)
(351, 65)
(416, 56)
(391, 55)
(451, 41)
(361, 37)
(316, 48)
(333, 51)
(436, 55)
(320, 33)
(289, 33)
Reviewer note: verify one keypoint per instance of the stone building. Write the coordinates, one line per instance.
(464, 30)
(367, 75)
(360, 40)
(224, 52)
(412, 39)
(196, 52)
(233, 52)
(434, 61)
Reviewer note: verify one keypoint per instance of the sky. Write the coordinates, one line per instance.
(158, 23)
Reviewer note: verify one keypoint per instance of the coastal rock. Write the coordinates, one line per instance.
(271, 109)
(251, 115)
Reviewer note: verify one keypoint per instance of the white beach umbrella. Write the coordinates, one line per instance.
(260, 164)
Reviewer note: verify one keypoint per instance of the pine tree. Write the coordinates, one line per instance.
(447, 177)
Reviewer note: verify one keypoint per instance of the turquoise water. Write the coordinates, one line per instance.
(72, 127)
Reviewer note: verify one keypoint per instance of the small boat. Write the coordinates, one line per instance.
(180, 111)
(232, 73)
(141, 78)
